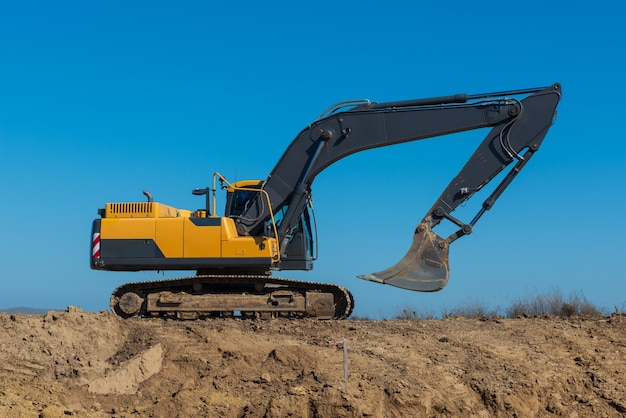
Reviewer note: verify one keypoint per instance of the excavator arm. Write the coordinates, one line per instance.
(518, 127)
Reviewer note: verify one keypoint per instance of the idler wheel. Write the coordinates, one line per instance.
(130, 303)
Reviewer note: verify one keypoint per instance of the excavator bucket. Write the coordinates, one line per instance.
(424, 268)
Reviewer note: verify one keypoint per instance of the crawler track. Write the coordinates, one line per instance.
(249, 296)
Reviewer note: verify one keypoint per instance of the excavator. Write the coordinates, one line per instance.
(269, 225)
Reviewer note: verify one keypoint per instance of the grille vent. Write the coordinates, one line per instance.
(123, 210)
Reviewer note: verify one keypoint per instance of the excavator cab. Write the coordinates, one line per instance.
(240, 195)
(300, 251)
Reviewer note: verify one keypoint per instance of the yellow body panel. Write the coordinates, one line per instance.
(113, 228)
(229, 230)
(169, 236)
(222, 241)
(201, 241)
(177, 236)
(234, 246)
(244, 247)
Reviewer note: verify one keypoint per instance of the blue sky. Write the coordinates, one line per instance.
(100, 100)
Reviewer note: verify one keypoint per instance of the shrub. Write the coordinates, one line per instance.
(471, 309)
(552, 304)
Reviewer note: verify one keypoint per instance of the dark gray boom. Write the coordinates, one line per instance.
(518, 127)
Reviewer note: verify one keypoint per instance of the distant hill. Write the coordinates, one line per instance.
(28, 311)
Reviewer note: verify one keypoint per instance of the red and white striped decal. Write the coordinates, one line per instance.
(95, 245)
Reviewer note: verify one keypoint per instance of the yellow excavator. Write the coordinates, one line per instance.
(268, 225)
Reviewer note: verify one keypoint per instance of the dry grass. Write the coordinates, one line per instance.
(552, 303)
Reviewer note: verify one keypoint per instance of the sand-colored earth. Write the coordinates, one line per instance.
(84, 364)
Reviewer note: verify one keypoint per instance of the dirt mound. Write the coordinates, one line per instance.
(76, 363)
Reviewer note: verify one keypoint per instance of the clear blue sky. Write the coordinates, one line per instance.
(100, 100)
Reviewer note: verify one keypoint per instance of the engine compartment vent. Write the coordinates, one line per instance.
(130, 210)
(143, 210)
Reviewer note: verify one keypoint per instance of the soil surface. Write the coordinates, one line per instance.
(75, 363)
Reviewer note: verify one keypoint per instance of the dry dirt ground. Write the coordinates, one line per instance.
(81, 364)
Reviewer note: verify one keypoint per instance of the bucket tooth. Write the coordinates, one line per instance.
(424, 268)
